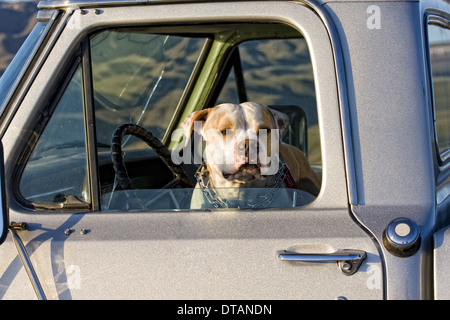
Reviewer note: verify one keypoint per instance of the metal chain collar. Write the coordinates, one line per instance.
(212, 196)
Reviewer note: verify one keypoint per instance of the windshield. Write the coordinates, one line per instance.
(17, 67)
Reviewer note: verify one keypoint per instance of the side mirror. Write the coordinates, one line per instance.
(3, 200)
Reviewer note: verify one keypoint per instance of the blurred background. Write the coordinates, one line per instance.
(17, 18)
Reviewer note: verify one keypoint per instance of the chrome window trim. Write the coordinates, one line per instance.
(12, 103)
(28, 61)
(433, 18)
(352, 156)
(59, 4)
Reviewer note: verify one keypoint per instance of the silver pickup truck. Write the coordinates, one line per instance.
(91, 210)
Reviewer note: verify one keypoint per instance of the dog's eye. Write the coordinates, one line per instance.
(224, 132)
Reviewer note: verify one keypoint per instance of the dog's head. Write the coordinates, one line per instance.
(241, 141)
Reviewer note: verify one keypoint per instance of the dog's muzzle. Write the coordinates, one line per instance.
(246, 171)
(272, 187)
(246, 160)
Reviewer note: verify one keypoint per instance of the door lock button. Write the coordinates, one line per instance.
(402, 237)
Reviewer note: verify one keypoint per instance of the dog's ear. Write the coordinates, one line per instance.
(282, 121)
(188, 124)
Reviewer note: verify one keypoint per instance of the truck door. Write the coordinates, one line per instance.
(152, 65)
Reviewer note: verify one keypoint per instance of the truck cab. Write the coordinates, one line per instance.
(365, 85)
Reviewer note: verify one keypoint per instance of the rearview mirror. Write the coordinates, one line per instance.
(3, 199)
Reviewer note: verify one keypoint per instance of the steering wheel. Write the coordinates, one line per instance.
(123, 180)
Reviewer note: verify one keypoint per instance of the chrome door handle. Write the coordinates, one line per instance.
(347, 260)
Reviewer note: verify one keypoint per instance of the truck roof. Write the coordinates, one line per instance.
(56, 4)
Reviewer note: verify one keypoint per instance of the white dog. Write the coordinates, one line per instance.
(244, 150)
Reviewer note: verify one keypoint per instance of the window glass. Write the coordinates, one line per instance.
(158, 83)
(140, 77)
(278, 72)
(439, 42)
(56, 171)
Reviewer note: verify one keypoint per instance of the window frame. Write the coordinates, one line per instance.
(341, 187)
(75, 62)
(82, 59)
(89, 123)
